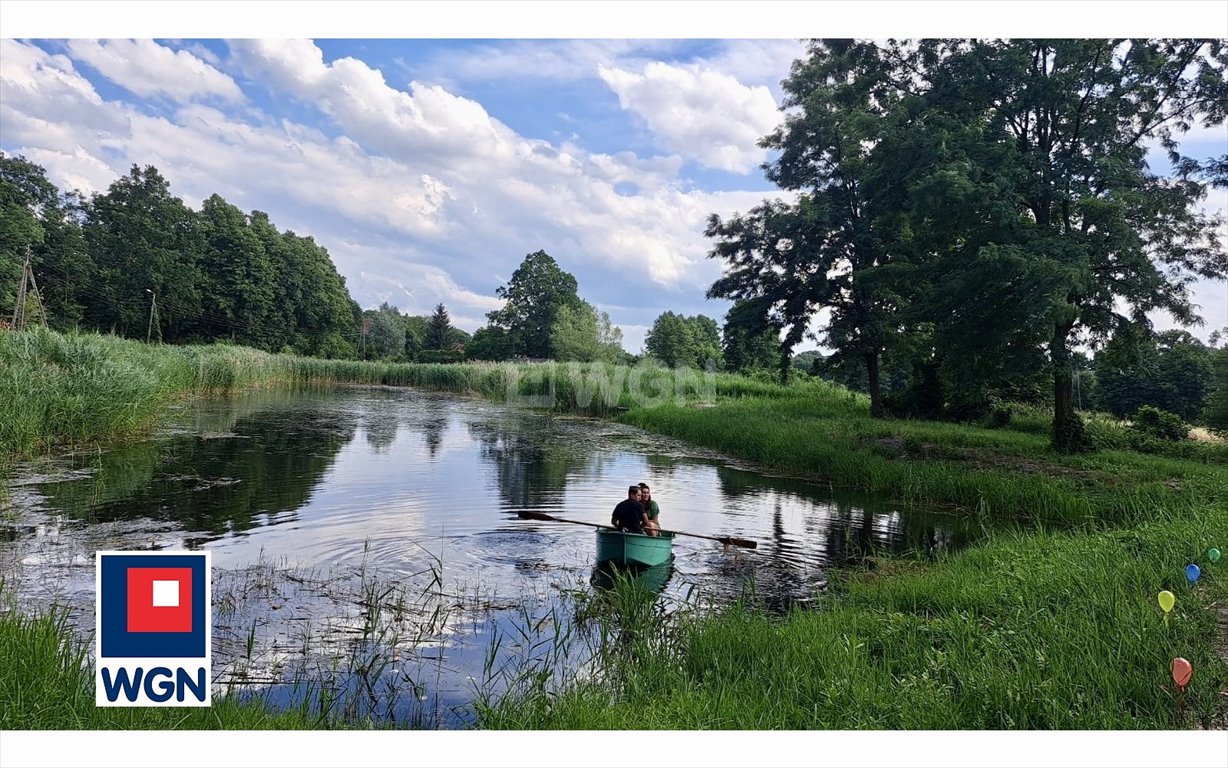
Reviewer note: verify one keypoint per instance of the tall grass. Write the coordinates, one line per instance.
(68, 389)
(1041, 630)
(48, 682)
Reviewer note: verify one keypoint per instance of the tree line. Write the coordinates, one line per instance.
(136, 261)
(973, 212)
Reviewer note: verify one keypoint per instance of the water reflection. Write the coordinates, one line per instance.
(228, 479)
(328, 477)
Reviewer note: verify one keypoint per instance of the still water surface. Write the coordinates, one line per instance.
(404, 483)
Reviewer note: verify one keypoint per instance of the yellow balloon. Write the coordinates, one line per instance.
(1167, 601)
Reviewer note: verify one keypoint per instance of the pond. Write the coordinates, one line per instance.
(319, 506)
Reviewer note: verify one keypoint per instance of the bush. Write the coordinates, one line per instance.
(440, 356)
(1153, 422)
(999, 416)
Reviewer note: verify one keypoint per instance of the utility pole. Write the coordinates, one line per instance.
(23, 290)
(19, 309)
(38, 296)
(153, 307)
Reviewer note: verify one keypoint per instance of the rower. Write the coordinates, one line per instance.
(629, 515)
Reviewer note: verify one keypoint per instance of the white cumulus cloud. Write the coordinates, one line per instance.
(700, 113)
(148, 69)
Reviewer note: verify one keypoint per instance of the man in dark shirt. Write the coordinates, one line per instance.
(629, 514)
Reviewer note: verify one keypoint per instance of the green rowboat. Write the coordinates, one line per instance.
(638, 548)
(650, 578)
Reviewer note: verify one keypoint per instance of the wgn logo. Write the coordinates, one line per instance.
(153, 629)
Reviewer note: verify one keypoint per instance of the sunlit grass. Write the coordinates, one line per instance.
(1038, 630)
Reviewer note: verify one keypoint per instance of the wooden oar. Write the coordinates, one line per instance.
(726, 540)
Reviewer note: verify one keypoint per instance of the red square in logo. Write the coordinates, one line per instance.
(159, 599)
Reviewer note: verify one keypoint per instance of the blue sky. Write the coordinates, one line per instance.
(429, 168)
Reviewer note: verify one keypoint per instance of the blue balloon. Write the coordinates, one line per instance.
(1192, 572)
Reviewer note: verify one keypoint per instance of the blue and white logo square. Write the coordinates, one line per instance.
(153, 622)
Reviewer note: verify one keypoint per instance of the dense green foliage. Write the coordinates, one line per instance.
(1172, 370)
(582, 334)
(538, 290)
(438, 329)
(1216, 412)
(136, 261)
(678, 340)
(1160, 424)
(982, 207)
(749, 342)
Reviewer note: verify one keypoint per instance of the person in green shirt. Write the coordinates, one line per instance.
(651, 510)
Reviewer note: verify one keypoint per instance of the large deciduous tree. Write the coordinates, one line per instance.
(35, 215)
(678, 340)
(584, 335)
(1036, 174)
(238, 289)
(750, 341)
(536, 292)
(824, 249)
(489, 343)
(144, 240)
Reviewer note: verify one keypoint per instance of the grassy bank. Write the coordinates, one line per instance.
(1002, 472)
(1039, 630)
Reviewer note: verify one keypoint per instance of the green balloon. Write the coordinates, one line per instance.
(1213, 555)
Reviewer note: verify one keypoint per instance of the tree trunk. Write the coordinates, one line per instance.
(1069, 435)
(876, 397)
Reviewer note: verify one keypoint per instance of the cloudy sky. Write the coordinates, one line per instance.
(429, 168)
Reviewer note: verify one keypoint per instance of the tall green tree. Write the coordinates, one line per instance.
(385, 336)
(536, 292)
(827, 250)
(437, 328)
(327, 318)
(490, 343)
(35, 215)
(238, 289)
(749, 340)
(582, 334)
(678, 340)
(145, 242)
(1028, 161)
(1215, 414)
(1172, 370)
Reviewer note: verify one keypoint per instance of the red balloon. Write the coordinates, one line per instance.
(1182, 672)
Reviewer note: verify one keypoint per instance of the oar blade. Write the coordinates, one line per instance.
(525, 514)
(747, 543)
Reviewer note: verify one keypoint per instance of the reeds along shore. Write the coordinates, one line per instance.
(67, 389)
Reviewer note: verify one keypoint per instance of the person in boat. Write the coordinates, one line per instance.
(629, 515)
(651, 510)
